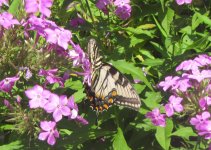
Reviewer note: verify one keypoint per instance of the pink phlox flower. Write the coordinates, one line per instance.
(75, 22)
(203, 60)
(74, 108)
(33, 6)
(173, 105)
(188, 65)
(38, 96)
(156, 118)
(51, 77)
(182, 84)
(7, 104)
(205, 102)
(103, 4)
(28, 74)
(5, 2)
(66, 75)
(7, 21)
(26, 71)
(81, 120)
(123, 12)
(79, 58)
(77, 55)
(205, 130)
(58, 106)
(87, 71)
(39, 24)
(49, 72)
(87, 77)
(48, 132)
(199, 76)
(7, 84)
(74, 112)
(200, 120)
(120, 3)
(208, 88)
(58, 36)
(18, 99)
(170, 81)
(59, 50)
(181, 2)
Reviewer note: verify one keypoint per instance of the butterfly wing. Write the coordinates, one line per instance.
(110, 87)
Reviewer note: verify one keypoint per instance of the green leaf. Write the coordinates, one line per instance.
(65, 131)
(137, 73)
(79, 95)
(139, 88)
(184, 132)
(162, 4)
(153, 62)
(204, 18)
(7, 127)
(152, 100)
(12, 146)
(167, 20)
(195, 21)
(14, 7)
(159, 48)
(119, 142)
(163, 135)
(198, 44)
(160, 28)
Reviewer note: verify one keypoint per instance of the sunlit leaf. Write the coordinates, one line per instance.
(119, 142)
(163, 134)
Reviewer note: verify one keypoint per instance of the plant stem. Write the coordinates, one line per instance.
(89, 11)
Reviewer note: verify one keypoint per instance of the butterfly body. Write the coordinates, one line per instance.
(108, 85)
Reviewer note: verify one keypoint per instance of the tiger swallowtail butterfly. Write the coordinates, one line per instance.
(108, 85)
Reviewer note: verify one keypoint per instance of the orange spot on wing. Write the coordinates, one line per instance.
(114, 93)
(110, 100)
(105, 106)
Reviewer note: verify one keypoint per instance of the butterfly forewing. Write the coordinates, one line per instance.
(108, 85)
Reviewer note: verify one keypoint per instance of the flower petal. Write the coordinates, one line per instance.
(65, 111)
(43, 136)
(51, 139)
(57, 115)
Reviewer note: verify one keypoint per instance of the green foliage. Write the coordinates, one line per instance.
(119, 141)
(163, 135)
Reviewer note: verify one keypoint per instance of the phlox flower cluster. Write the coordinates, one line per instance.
(181, 2)
(60, 38)
(7, 21)
(190, 93)
(42, 6)
(80, 59)
(122, 7)
(51, 77)
(7, 84)
(49, 30)
(56, 105)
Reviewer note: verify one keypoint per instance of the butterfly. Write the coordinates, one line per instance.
(108, 85)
